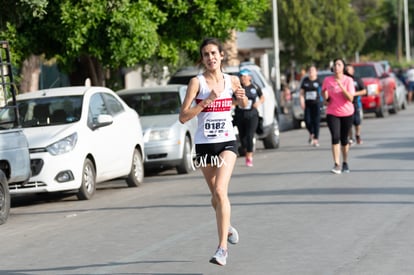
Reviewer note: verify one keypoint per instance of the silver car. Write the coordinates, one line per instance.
(400, 93)
(167, 142)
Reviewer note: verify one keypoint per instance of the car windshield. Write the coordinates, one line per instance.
(364, 71)
(45, 111)
(158, 103)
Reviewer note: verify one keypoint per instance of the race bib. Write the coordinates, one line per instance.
(311, 95)
(214, 128)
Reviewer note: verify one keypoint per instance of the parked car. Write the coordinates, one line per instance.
(297, 111)
(381, 96)
(14, 148)
(401, 93)
(268, 111)
(78, 137)
(167, 142)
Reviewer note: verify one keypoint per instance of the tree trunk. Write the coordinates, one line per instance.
(30, 74)
(87, 67)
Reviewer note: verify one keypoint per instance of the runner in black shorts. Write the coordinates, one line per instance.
(214, 93)
(209, 153)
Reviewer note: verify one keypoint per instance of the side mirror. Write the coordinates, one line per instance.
(102, 121)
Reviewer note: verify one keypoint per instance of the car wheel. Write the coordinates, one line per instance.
(88, 185)
(186, 165)
(4, 198)
(136, 175)
(272, 140)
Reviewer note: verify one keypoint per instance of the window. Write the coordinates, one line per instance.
(46, 111)
(158, 103)
(365, 71)
(114, 106)
(96, 107)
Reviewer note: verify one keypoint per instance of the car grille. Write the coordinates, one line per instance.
(20, 186)
(36, 166)
(157, 156)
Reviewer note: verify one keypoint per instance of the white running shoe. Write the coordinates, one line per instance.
(233, 236)
(336, 170)
(220, 257)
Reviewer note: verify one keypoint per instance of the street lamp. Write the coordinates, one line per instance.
(276, 45)
(407, 32)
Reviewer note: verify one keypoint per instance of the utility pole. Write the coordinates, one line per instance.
(276, 45)
(399, 32)
(407, 32)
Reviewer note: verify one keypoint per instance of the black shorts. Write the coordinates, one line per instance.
(208, 153)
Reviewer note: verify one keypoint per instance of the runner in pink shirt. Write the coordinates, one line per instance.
(338, 92)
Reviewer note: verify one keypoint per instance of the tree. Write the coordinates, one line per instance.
(316, 30)
(91, 37)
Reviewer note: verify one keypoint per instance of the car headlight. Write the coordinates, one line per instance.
(64, 145)
(372, 89)
(159, 134)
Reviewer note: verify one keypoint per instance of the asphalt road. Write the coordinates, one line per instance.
(293, 216)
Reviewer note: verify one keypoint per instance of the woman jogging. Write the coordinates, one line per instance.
(338, 92)
(214, 93)
(247, 118)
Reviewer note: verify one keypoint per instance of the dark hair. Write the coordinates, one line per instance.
(209, 41)
(343, 62)
(346, 70)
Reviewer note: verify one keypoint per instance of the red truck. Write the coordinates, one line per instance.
(381, 96)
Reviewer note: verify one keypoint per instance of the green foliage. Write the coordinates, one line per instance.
(123, 33)
(191, 21)
(37, 7)
(382, 26)
(318, 30)
(14, 14)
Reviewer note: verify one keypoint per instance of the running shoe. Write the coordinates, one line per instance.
(315, 143)
(336, 169)
(233, 236)
(345, 168)
(249, 162)
(358, 140)
(220, 257)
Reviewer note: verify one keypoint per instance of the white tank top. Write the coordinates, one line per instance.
(215, 121)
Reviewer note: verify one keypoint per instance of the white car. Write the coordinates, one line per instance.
(168, 143)
(79, 136)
